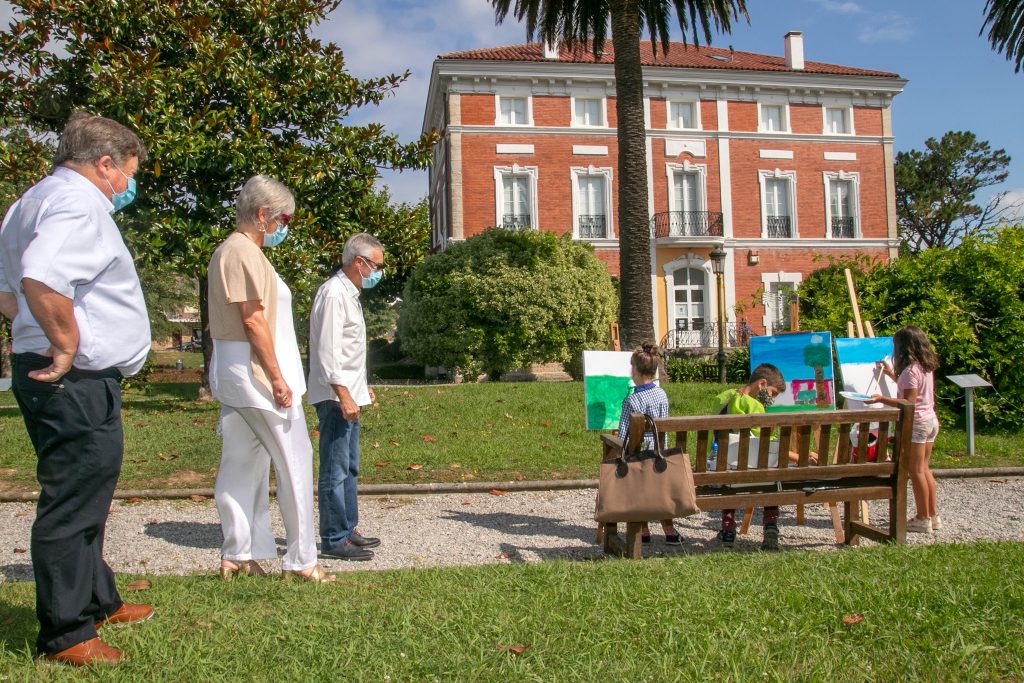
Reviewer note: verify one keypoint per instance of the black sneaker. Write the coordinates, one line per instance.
(728, 538)
(674, 539)
(348, 551)
(771, 537)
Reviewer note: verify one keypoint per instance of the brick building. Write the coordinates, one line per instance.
(778, 160)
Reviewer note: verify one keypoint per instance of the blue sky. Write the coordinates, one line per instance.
(956, 81)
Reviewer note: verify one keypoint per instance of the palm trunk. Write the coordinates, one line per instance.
(636, 307)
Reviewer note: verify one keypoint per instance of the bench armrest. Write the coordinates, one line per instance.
(613, 441)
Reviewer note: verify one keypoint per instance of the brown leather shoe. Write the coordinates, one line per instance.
(93, 651)
(128, 613)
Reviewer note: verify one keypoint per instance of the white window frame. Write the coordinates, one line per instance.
(702, 183)
(847, 113)
(513, 96)
(768, 279)
(828, 177)
(710, 291)
(783, 106)
(695, 108)
(778, 174)
(575, 173)
(602, 110)
(499, 192)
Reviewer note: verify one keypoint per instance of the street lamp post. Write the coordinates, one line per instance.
(718, 266)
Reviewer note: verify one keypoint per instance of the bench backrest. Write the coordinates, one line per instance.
(792, 431)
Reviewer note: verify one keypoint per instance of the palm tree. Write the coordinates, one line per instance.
(576, 22)
(1005, 22)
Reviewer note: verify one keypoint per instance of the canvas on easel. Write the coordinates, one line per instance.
(805, 361)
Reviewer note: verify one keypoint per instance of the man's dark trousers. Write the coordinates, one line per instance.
(75, 427)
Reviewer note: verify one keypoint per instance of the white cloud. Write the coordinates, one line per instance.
(886, 28)
(839, 6)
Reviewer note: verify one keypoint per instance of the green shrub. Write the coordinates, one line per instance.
(704, 368)
(504, 299)
(968, 299)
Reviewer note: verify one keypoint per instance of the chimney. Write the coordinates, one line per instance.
(551, 50)
(795, 50)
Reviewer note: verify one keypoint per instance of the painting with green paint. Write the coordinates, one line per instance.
(606, 383)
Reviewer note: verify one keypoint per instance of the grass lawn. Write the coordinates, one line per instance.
(482, 432)
(927, 613)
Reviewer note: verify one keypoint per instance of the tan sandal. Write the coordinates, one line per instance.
(229, 569)
(315, 575)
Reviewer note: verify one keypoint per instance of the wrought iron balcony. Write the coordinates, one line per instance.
(687, 224)
(780, 226)
(514, 221)
(844, 227)
(593, 226)
(704, 335)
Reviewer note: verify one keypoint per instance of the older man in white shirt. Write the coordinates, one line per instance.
(337, 389)
(79, 325)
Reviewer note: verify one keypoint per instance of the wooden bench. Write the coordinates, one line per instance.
(845, 477)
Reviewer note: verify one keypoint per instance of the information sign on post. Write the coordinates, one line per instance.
(969, 383)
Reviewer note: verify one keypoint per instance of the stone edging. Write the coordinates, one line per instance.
(472, 487)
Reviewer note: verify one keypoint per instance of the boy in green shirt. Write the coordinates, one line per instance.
(766, 382)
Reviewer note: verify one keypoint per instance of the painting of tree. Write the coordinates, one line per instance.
(818, 356)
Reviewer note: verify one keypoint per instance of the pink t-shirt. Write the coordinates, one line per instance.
(914, 377)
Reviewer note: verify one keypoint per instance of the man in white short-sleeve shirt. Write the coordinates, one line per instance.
(337, 388)
(79, 324)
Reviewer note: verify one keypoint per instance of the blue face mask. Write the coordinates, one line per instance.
(275, 238)
(371, 280)
(122, 199)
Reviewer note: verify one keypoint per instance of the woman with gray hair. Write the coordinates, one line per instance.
(256, 374)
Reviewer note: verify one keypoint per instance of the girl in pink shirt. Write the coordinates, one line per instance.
(915, 362)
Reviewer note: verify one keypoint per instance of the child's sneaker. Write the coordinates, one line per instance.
(674, 539)
(728, 538)
(919, 526)
(645, 536)
(936, 523)
(771, 537)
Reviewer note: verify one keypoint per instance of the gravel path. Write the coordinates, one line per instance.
(182, 537)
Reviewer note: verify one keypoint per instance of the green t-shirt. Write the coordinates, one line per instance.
(739, 404)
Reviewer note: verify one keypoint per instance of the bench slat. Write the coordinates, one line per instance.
(824, 450)
(804, 445)
(736, 422)
(764, 445)
(785, 439)
(747, 500)
(863, 436)
(743, 452)
(843, 455)
(826, 476)
(882, 449)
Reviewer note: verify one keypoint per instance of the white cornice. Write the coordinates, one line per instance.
(661, 133)
(812, 243)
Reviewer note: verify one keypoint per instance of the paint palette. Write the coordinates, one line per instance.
(855, 396)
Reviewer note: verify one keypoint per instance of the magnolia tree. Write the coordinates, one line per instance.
(504, 299)
(218, 91)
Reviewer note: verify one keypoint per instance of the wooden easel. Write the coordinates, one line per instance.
(614, 345)
(857, 328)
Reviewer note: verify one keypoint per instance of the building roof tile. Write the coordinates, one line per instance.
(679, 55)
